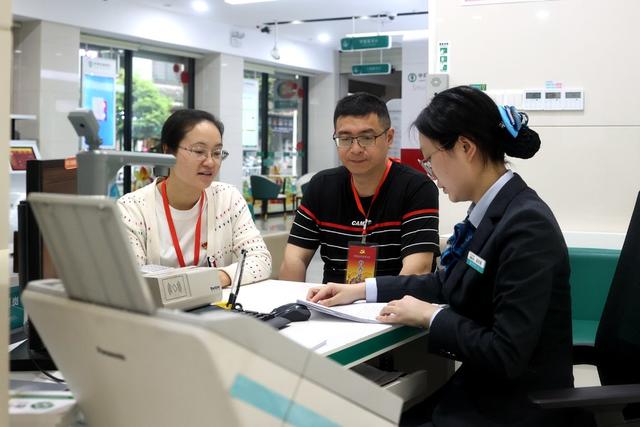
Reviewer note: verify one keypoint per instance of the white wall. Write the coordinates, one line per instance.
(5, 68)
(219, 84)
(130, 21)
(414, 93)
(323, 96)
(46, 83)
(588, 167)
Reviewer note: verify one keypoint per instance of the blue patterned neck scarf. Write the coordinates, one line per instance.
(457, 244)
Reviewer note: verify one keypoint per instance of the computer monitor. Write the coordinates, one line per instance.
(34, 262)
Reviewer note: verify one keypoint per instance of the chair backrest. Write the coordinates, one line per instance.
(592, 271)
(618, 338)
(263, 188)
(302, 181)
(276, 244)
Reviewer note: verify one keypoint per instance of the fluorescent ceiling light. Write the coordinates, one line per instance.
(406, 35)
(199, 6)
(296, 22)
(245, 1)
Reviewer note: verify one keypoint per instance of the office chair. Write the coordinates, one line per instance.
(301, 183)
(263, 189)
(617, 347)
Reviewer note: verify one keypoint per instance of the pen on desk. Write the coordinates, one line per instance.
(238, 279)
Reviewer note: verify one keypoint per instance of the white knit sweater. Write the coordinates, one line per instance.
(229, 223)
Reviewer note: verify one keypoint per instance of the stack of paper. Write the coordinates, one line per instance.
(359, 311)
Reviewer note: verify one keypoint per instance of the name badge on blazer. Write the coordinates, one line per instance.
(475, 262)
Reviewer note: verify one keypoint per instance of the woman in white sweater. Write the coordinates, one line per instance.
(187, 218)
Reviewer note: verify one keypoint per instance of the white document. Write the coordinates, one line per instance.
(154, 268)
(360, 311)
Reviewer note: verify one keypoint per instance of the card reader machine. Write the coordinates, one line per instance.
(184, 288)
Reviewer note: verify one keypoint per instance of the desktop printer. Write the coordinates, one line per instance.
(184, 288)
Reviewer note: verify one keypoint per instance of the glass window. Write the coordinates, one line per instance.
(159, 88)
(160, 85)
(251, 146)
(284, 121)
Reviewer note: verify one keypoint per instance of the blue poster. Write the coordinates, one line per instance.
(98, 95)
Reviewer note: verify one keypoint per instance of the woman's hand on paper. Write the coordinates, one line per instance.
(408, 311)
(336, 294)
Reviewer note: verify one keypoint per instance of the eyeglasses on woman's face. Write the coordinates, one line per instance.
(364, 141)
(202, 154)
(427, 166)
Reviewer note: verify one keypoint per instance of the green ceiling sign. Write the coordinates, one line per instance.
(370, 69)
(365, 43)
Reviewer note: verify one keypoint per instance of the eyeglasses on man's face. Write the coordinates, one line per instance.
(364, 141)
(202, 154)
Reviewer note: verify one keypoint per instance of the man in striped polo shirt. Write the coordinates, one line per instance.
(369, 202)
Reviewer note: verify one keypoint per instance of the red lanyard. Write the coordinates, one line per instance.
(375, 195)
(172, 228)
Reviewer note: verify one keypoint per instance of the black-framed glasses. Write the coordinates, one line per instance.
(363, 141)
(202, 153)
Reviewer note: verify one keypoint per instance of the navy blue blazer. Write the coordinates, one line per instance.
(510, 326)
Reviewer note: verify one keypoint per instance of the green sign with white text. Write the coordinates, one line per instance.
(370, 69)
(365, 43)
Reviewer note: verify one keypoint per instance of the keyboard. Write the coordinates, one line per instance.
(268, 318)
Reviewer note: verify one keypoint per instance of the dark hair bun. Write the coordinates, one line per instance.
(523, 146)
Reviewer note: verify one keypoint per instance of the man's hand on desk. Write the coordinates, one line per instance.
(336, 294)
(408, 311)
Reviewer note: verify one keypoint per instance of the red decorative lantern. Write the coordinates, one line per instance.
(176, 68)
(184, 77)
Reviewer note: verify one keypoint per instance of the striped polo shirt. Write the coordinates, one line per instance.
(403, 219)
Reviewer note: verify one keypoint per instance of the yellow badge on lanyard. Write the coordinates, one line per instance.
(361, 262)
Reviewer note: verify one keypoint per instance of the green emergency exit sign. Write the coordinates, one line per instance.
(370, 69)
(365, 43)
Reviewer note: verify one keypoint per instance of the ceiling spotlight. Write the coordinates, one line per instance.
(199, 6)
(364, 17)
(275, 53)
(324, 37)
(265, 29)
(296, 22)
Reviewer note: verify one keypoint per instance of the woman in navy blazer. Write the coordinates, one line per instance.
(505, 282)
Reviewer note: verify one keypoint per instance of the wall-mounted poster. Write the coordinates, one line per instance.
(99, 95)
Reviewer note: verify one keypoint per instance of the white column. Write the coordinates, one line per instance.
(414, 87)
(219, 79)
(47, 84)
(323, 96)
(5, 68)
